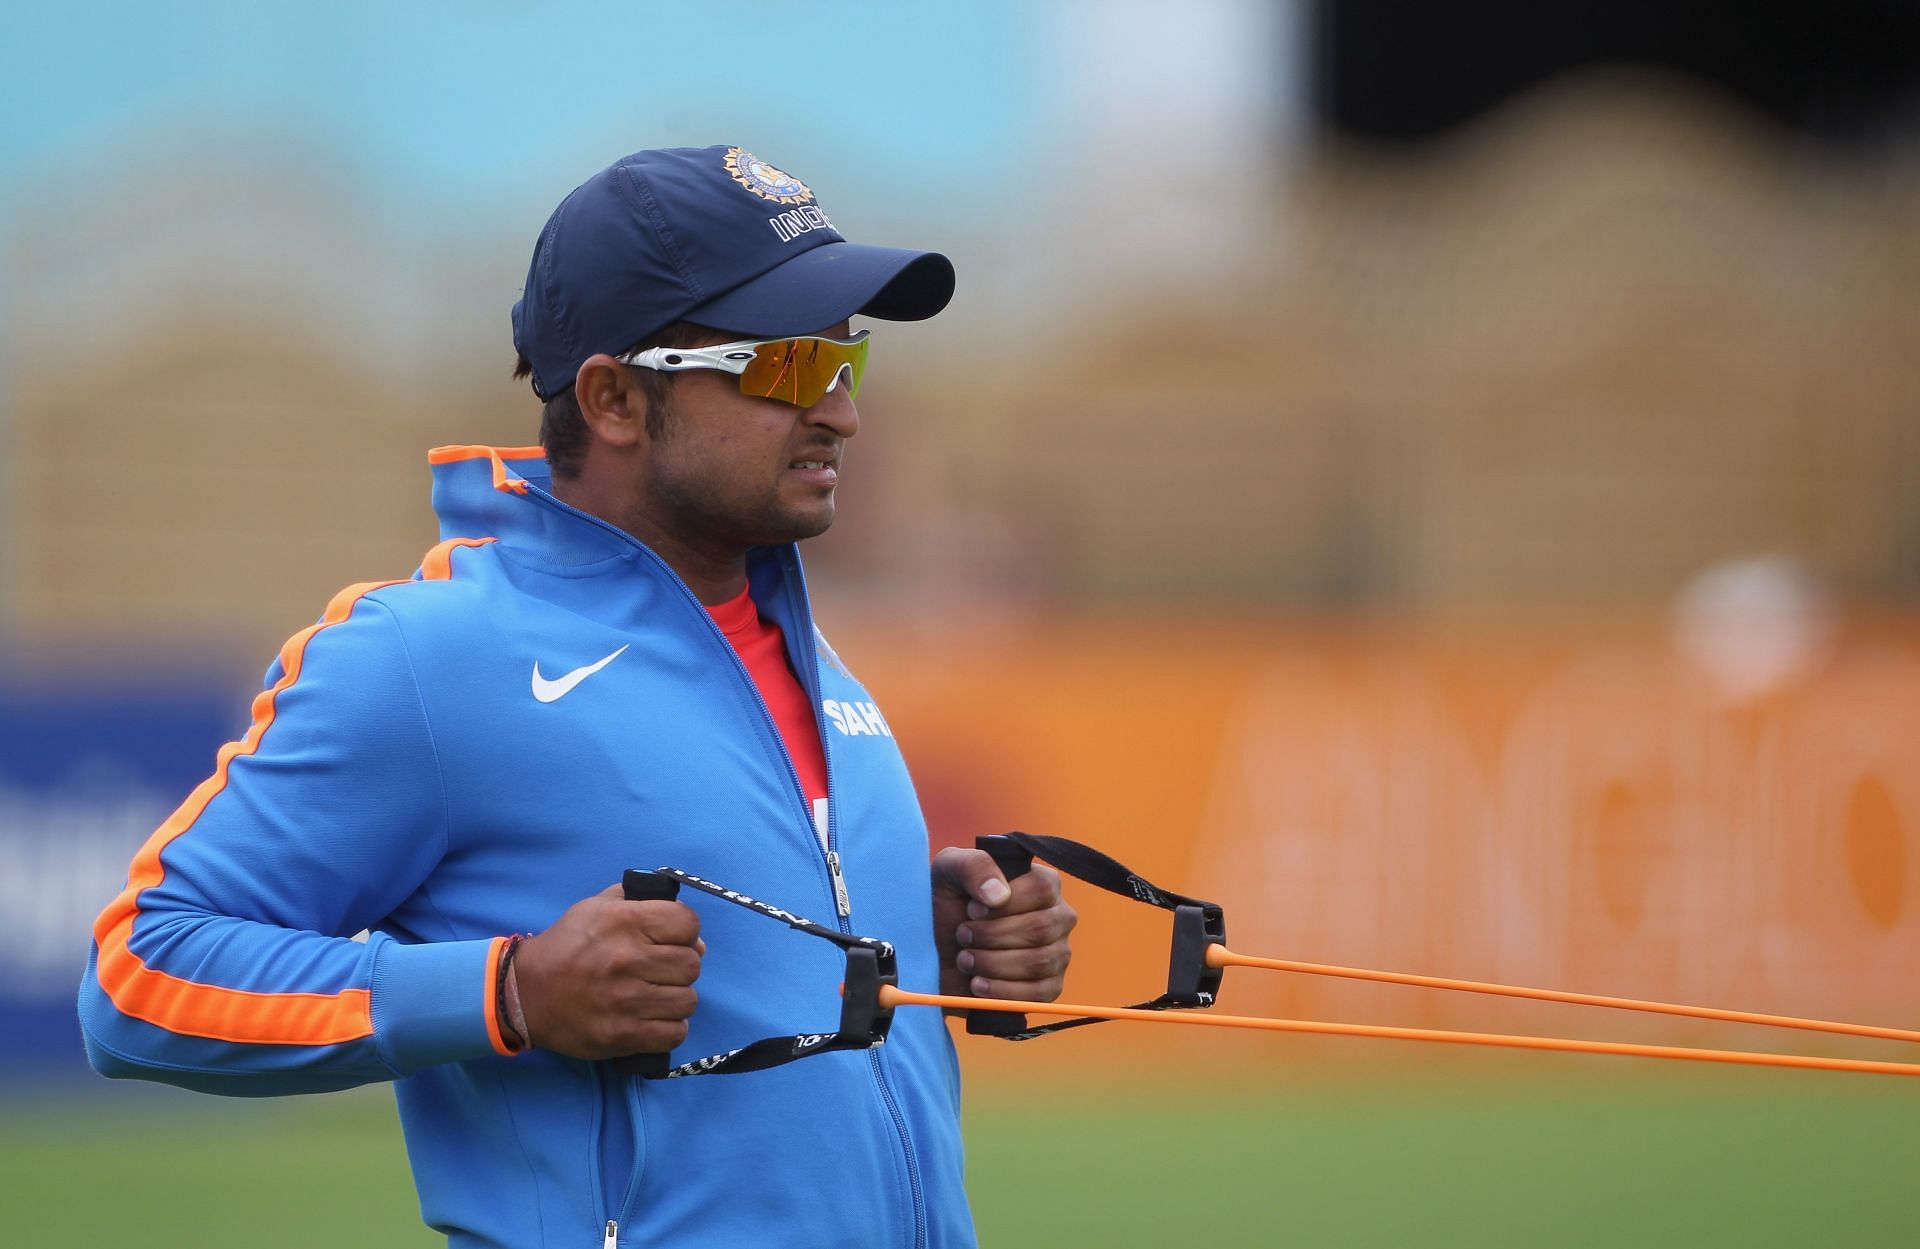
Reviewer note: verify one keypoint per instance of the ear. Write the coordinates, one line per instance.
(614, 408)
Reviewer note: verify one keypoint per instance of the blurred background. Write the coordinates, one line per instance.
(1442, 480)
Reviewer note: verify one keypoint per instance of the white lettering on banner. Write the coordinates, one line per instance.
(63, 855)
(856, 719)
(1630, 833)
(794, 222)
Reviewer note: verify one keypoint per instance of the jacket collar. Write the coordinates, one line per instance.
(506, 493)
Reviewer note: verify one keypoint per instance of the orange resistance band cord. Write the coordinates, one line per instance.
(891, 997)
(1199, 955)
(1221, 956)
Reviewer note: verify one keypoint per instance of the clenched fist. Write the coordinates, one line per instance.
(611, 977)
(999, 939)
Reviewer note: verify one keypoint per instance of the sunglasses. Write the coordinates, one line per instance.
(800, 371)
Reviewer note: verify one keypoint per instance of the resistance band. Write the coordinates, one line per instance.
(1195, 966)
(871, 966)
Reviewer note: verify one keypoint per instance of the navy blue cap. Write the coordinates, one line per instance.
(711, 235)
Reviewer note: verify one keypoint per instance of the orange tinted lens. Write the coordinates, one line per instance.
(800, 370)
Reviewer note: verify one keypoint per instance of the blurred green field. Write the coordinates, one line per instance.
(1624, 1157)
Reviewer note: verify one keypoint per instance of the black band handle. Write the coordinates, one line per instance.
(1014, 862)
(642, 886)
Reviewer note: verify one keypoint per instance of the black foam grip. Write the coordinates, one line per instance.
(643, 886)
(650, 1066)
(1014, 862)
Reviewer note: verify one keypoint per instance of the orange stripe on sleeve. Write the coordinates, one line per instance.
(491, 986)
(239, 1015)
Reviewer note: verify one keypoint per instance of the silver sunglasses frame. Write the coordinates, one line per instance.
(731, 357)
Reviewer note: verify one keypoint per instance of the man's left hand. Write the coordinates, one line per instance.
(999, 938)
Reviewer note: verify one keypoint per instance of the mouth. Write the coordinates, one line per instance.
(821, 470)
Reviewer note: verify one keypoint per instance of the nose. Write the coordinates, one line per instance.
(835, 411)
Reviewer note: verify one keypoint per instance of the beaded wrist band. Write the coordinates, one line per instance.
(506, 1000)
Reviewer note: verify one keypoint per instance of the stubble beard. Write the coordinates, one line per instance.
(700, 520)
(702, 517)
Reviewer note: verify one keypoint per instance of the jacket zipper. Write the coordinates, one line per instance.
(829, 840)
(841, 902)
(811, 682)
(906, 1149)
(602, 1181)
(613, 1203)
(829, 845)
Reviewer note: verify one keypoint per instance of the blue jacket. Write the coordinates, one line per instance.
(401, 777)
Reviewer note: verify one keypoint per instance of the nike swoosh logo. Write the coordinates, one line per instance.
(546, 691)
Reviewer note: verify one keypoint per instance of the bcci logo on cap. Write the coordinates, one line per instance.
(764, 180)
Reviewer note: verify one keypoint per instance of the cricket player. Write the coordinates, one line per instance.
(408, 867)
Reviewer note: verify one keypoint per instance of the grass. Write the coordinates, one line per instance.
(120, 1166)
(1643, 1162)
(1625, 1157)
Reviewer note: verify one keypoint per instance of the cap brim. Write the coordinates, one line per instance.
(826, 285)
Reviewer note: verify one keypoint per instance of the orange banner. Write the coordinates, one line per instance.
(1596, 812)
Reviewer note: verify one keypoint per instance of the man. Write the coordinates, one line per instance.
(608, 662)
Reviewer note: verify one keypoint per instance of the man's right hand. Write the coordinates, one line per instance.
(611, 977)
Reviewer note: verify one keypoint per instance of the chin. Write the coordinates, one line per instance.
(797, 525)
(813, 529)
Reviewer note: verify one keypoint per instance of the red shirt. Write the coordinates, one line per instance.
(763, 649)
